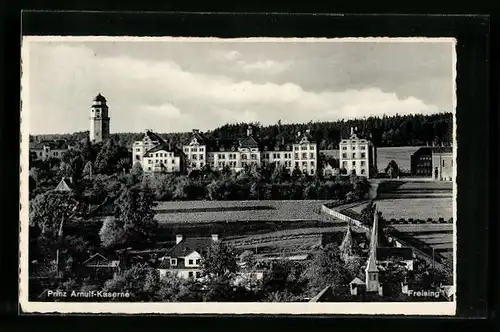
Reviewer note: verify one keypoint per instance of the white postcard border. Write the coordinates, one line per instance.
(308, 308)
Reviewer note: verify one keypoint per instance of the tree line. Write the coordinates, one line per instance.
(385, 131)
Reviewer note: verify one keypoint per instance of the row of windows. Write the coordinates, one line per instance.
(194, 149)
(353, 163)
(161, 161)
(304, 147)
(194, 164)
(362, 155)
(362, 147)
(277, 155)
(173, 261)
(196, 157)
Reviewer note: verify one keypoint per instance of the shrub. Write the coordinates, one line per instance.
(441, 220)
(393, 221)
(411, 221)
(403, 221)
(450, 220)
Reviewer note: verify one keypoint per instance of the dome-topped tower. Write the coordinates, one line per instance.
(99, 120)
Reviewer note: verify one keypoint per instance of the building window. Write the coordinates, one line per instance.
(297, 156)
(354, 163)
(190, 262)
(344, 148)
(362, 163)
(296, 148)
(201, 164)
(296, 164)
(312, 147)
(201, 157)
(197, 262)
(304, 156)
(173, 261)
(312, 163)
(363, 171)
(312, 171)
(362, 147)
(197, 274)
(194, 149)
(311, 156)
(194, 157)
(353, 155)
(304, 164)
(443, 162)
(190, 274)
(363, 155)
(303, 147)
(354, 147)
(344, 155)
(253, 156)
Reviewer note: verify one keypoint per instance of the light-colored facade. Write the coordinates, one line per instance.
(99, 120)
(49, 149)
(442, 163)
(237, 155)
(358, 155)
(184, 259)
(156, 155)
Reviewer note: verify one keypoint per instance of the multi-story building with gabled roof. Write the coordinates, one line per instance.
(200, 151)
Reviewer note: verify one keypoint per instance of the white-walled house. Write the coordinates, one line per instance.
(184, 259)
(156, 155)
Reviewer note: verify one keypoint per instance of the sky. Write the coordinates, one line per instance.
(177, 86)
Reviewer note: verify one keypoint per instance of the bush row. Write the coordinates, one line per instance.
(420, 221)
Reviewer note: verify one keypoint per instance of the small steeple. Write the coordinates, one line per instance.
(371, 271)
(346, 248)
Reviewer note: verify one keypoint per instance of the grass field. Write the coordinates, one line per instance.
(211, 211)
(401, 155)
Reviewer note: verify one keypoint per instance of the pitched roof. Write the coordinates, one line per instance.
(64, 185)
(188, 245)
(163, 147)
(95, 256)
(323, 295)
(357, 281)
(153, 136)
(59, 144)
(404, 253)
(346, 247)
(249, 142)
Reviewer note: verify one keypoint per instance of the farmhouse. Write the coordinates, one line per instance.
(184, 259)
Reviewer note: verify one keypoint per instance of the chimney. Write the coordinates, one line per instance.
(249, 131)
(178, 238)
(215, 237)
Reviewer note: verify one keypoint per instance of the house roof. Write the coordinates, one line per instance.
(249, 142)
(64, 185)
(59, 144)
(163, 147)
(404, 253)
(153, 136)
(94, 257)
(357, 281)
(323, 295)
(188, 245)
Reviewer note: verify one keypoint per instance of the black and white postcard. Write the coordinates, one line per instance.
(238, 176)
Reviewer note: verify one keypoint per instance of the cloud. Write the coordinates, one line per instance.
(267, 66)
(164, 95)
(167, 110)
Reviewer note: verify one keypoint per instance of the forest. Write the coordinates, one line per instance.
(386, 131)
